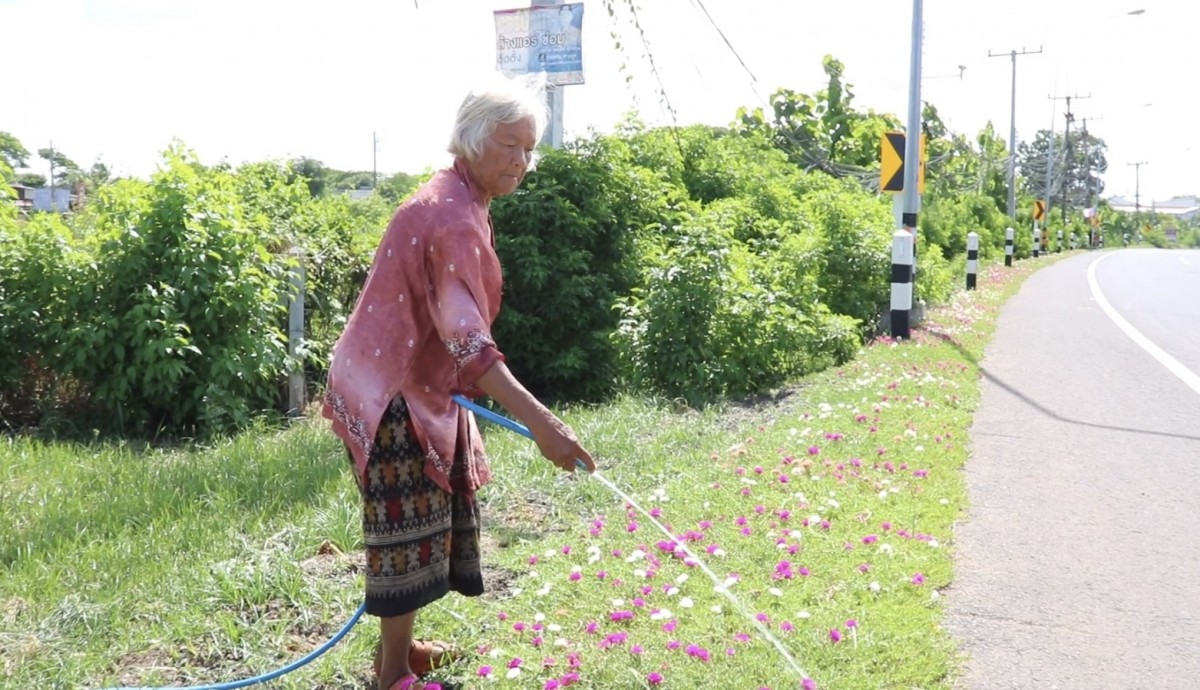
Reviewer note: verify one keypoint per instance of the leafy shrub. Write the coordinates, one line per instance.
(857, 228)
(715, 318)
(38, 267)
(176, 324)
(567, 240)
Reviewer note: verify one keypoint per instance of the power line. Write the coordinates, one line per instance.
(700, 4)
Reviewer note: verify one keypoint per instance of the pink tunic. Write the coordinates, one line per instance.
(422, 329)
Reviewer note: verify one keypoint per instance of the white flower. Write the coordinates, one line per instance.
(682, 578)
(544, 590)
(886, 548)
(686, 603)
(496, 653)
(513, 673)
(825, 407)
(715, 609)
(618, 603)
(550, 553)
(672, 591)
(751, 482)
(776, 591)
(539, 617)
(719, 553)
(576, 569)
(935, 595)
(833, 504)
(554, 627)
(945, 501)
(562, 642)
(804, 614)
(874, 587)
(934, 543)
(660, 615)
(920, 449)
(883, 495)
(640, 572)
(636, 556)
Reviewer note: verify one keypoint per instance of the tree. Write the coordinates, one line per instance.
(65, 169)
(822, 131)
(1076, 172)
(98, 175)
(31, 180)
(314, 172)
(12, 152)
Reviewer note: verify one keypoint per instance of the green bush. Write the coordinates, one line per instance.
(568, 242)
(38, 274)
(715, 319)
(176, 324)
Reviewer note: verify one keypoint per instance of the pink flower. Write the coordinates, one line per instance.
(656, 512)
(809, 684)
(698, 652)
(835, 635)
(674, 644)
(519, 627)
(813, 450)
(566, 549)
(601, 574)
(484, 671)
(515, 663)
(631, 527)
(620, 615)
(852, 623)
(763, 618)
(886, 526)
(502, 616)
(552, 684)
(536, 642)
(575, 576)
(636, 649)
(786, 626)
(654, 678)
(918, 579)
(670, 625)
(592, 627)
(569, 678)
(864, 567)
(870, 539)
(533, 560)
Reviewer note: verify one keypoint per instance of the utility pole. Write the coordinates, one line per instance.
(53, 206)
(1067, 142)
(1012, 132)
(1137, 182)
(374, 160)
(912, 139)
(1087, 162)
(553, 136)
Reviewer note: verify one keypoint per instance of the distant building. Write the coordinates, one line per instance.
(24, 198)
(1180, 207)
(52, 199)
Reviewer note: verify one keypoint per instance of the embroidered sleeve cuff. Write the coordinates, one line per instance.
(473, 356)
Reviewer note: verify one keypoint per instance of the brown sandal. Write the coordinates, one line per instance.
(423, 656)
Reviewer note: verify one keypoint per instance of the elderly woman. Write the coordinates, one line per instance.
(421, 332)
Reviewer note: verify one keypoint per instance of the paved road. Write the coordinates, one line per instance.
(1079, 560)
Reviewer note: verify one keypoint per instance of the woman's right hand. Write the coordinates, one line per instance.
(558, 444)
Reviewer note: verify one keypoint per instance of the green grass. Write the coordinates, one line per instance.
(122, 565)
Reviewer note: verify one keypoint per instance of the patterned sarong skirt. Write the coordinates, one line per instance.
(421, 541)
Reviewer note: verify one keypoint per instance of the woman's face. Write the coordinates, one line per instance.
(506, 155)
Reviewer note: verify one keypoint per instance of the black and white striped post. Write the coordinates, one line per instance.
(902, 287)
(1074, 241)
(1037, 241)
(1058, 249)
(1008, 246)
(972, 259)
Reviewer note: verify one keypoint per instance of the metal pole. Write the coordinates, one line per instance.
(1012, 131)
(553, 136)
(912, 139)
(1012, 144)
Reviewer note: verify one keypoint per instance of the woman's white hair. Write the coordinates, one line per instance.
(500, 100)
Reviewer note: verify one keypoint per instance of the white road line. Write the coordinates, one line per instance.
(1173, 365)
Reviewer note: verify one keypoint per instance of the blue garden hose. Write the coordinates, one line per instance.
(503, 421)
(307, 658)
(278, 672)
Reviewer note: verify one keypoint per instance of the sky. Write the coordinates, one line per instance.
(249, 80)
